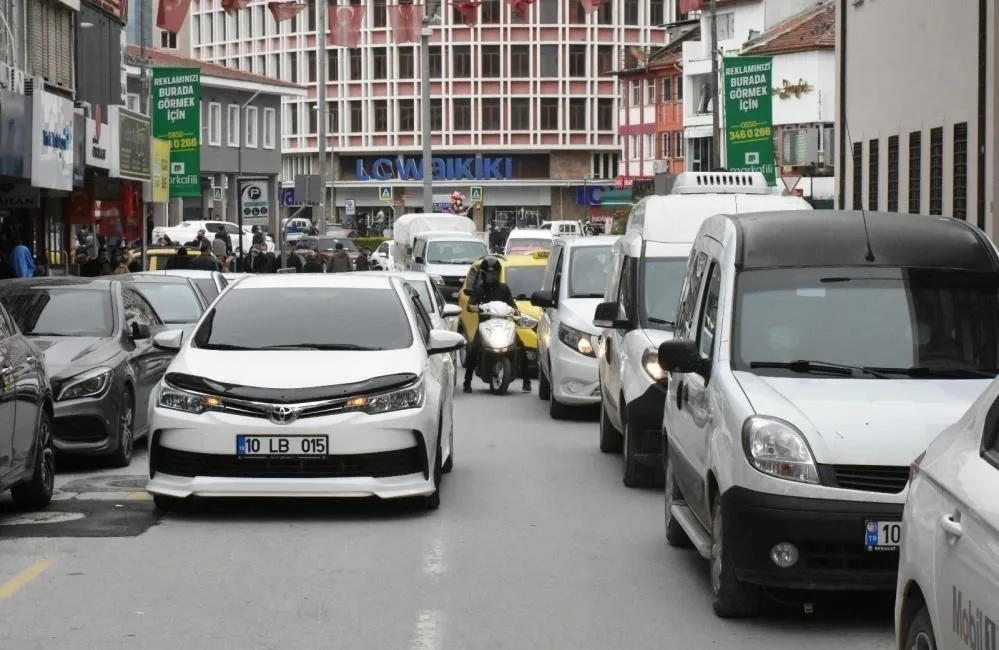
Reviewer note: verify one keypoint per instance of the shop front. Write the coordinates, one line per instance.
(53, 131)
(131, 163)
(19, 201)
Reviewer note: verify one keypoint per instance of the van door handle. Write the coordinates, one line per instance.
(951, 526)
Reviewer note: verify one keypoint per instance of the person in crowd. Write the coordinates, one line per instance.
(220, 232)
(21, 259)
(292, 259)
(340, 260)
(313, 265)
(205, 261)
(260, 262)
(116, 262)
(197, 241)
(220, 245)
(258, 236)
(180, 260)
(164, 241)
(363, 261)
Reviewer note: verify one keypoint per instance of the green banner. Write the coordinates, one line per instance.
(749, 116)
(177, 119)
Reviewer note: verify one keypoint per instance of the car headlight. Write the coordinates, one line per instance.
(650, 361)
(527, 322)
(92, 383)
(181, 400)
(776, 448)
(410, 397)
(576, 339)
(438, 280)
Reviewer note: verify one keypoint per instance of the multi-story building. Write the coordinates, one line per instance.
(142, 30)
(535, 99)
(917, 108)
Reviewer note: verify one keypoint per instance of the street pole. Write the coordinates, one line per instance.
(144, 97)
(322, 30)
(239, 169)
(715, 104)
(428, 156)
(586, 195)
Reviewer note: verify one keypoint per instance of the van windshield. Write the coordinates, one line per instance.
(663, 279)
(883, 322)
(455, 252)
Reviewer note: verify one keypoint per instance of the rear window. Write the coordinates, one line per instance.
(174, 302)
(208, 288)
(529, 245)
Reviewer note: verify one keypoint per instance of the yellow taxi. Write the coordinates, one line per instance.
(524, 274)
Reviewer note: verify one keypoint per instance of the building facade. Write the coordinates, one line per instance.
(917, 120)
(524, 109)
(141, 28)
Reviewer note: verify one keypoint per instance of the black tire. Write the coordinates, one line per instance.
(557, 410)
(635, 474)
(433, 501)
(675, 535)
(165, 503)
(500, 386)
(544, 386)
(463, 352)
(449, 463)
(36, 492)
(729, 597)
(122, 455)
(920, 635)
(611, 441)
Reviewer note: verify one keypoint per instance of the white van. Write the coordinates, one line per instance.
(640, 302)
(524, 241)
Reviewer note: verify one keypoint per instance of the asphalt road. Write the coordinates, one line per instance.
(537, 546)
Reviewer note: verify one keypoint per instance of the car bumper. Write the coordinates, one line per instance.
(575, 377)
(87, 426)
(645, 416)
(829, 536)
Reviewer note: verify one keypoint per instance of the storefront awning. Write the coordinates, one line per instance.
(616, 199)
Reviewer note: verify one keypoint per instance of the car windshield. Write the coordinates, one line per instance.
(588, 268)
(331, 318)
(941, 322)
(61, 312)
(174, 302)
(519, 246)
(663, 280)
(207, 287)
(327, 244)
(524, 280)
(421, 288)
(455, 252)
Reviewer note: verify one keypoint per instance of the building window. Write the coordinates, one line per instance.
(605, 114)
(407, 115)
(437, 114)
(577, 60)
(232, 125)
(312, 111)
(520, 60)
(666, 146)
(893, 173)
(461, 62)
(251, 127)
(549, 61)
(915, 172)
(333, 65)
(462, 115)
(650, 92)
(633, 147)
(379, 58)
(356, 67)
(667, 87)
(605, 14)
(381, 115)
(332, 117)
(356, 116)
(407, 63)
(630, 12)
(605, 59)
(649, 150)
(873, 178)
(490, 60)
(168, 41)
(520, 114)
(215, 124)
(679, 145)
(549, 114)
(132, 102)
(858, 176)
(270, 127)
(379, 15)
(636, 93)
(726, 26)
(577, 114)
(679, 89)
(490, 118)
(936, 171)
(960, 207)
(657, 13)
(292, 111)
(491, 12)
(436, 62)
(548, 11)
(293, 67)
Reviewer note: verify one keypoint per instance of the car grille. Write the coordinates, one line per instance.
(886, 479)
(377, 465)
(846, 557)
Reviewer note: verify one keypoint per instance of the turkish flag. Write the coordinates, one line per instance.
(345, 26)
(171, 15)
(686, 6)
(286, 10)
(589, 6)
(469, 10)
(520, 6)
(406, 22)
(232, 6)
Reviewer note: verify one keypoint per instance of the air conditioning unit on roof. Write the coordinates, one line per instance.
(721, 183)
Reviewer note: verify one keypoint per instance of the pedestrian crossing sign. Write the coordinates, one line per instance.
(385, 193)
(476, 194)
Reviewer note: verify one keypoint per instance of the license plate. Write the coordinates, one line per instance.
(282, 445)
(882, 535)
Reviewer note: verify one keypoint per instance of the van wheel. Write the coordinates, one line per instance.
(635, 474)
(544, 387)
(675, 535)
(920, 636)
(610, 438)
(730, 598)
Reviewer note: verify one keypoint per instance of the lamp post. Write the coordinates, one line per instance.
(239, 173)
(586, 194)
(429, 18)
(715, 104)
(322, 29)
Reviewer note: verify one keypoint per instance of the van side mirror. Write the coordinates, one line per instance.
(542, 299)
(680, 356)
(606, 316)
(418, 259)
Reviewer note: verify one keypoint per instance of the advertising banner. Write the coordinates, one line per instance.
(161, 171)
(131, 158)
(254, 202)
(15, 135)
(749, 129)
(79, 151)
(177, 118)
(99, 138)
(53, 121)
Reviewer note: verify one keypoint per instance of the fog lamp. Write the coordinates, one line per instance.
(784, 555)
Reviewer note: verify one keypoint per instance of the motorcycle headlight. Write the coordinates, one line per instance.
(577, 340)
(92, 383)
(410, 397)
(528, 322)
(776, 448)
(181, 400)
(650, 361)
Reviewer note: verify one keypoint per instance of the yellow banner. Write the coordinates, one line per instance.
(161, 170)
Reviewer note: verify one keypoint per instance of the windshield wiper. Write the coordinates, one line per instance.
(952, 373)
(806, 366)
(223, 346)
(661, 321)
(321, 346)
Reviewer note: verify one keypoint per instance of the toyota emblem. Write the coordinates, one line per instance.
(283, 415)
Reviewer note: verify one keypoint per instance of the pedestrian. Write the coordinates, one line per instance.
(117, 263)
(313, 265)
(205, 261)
(179, 260)
(340, 260)
(220, 248)
(362, 261)
(221, 232)
(294, 260)
(21, 259)
(197, 241)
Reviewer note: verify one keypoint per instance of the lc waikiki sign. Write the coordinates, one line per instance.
(177, 119)
(455, 168)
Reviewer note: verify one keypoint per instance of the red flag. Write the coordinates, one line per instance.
(686, 6)
(286, 10)
(232, 6)
(171, 15)
(520, 6)
(589, 6)
(406, 22)
(468, 9)
(345, 25)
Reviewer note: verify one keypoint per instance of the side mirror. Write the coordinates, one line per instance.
(140, 331)
(605, 316)
(444, 342)
(419, 259)
(169, 340)
(542, 299)
(680, 356)
(450, 311)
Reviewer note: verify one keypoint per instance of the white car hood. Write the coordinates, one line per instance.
(863, 421)
(657, 337)
(294, 369)
(577, 313)
(447, 270)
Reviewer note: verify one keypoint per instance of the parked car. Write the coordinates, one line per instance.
(176, 300)
(188, 230)
(95, 337)
(209, 283)
(317, 245)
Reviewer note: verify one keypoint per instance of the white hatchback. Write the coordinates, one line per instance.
(948, 578)
(305, 385)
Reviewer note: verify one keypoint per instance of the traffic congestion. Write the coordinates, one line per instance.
(738, 408)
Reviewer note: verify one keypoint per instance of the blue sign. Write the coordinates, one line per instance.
(15, 145)
(288, 198)
(454, 168)
(590, 194)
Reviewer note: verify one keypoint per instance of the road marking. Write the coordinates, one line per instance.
(43, 517)
(139, 496)
(15, 584)
(428, 630)
(433, 561)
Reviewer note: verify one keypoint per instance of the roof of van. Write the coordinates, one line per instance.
(595, 240)
(676, 218)
(836, 238)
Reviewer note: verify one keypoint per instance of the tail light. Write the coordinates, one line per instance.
(914, 466)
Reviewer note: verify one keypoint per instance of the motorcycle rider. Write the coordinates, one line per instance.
(490, 289)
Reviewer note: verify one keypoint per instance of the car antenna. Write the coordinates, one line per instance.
(869, 255)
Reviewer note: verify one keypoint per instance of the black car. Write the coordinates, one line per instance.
(96, 338)
(27, 457)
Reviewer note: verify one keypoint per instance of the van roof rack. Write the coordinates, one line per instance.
(721, 183)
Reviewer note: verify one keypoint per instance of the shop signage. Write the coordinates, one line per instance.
(99, 138)
(749, 124)
(131, 158)
(177, 118)
(117, 8)
(161, 171)
(254, 202)
(15, 147)
(453, 168)
(51, 140)
(79, 150)
(13, 197)
(590, 194)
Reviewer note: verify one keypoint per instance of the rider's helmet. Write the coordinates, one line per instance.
(490, 270)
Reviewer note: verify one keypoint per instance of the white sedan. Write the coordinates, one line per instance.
(948, 578)
(353, 399)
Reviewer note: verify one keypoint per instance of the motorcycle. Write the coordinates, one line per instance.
(499, 347)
